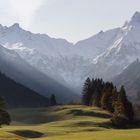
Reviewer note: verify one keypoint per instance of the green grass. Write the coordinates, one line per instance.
(64, 123)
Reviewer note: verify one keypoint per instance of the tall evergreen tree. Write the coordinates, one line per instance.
(4, 115)
(107, 97)
(127, 104)
(87, 92)
(53, 100)
(123, 110)
(99, 85)
(114, 97)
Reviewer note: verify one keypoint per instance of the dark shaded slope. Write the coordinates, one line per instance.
(17, 95)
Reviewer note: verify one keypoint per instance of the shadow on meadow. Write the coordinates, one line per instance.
(78, 112)
(28, 133)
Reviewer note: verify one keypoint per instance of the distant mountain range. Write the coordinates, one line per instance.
(48, 65)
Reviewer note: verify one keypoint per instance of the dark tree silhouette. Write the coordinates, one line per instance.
(4, 115)
(53, 100)
(87, 92)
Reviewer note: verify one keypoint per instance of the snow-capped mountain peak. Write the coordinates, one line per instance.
(15, 25)
(135, 18)
(124, 50)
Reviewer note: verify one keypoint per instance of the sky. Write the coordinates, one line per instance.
(73, 20)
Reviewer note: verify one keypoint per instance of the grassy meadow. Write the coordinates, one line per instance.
(73, 122)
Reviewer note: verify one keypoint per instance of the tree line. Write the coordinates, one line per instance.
(105, 95)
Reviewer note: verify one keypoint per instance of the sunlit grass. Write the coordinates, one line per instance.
(64, 123)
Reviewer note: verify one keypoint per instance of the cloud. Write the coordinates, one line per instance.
(25, 9)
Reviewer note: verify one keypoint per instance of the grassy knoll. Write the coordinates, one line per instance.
(64, 123)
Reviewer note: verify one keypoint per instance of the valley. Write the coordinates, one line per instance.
(53, 89)
(69, 122)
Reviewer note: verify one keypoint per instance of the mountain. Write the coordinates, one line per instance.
(124, 50)
(105, 54)
(18, 96)
(130, 78)
(13, 66)
(97, 44)
(65, 62)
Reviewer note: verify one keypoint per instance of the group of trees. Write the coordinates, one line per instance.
(102, 94)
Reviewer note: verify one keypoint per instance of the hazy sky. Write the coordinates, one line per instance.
(70, 19)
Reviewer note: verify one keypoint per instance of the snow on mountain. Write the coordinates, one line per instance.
(103, 55)
(43, 43)
(63, 61)
(13, 66)
(96, 44)
(124, 50)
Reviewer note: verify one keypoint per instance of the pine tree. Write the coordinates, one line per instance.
(4, 116)
(87, 92)
(53, 100)
(123, 110)
(114, 98)
(127, 105)
(107, 97)
(99, 85)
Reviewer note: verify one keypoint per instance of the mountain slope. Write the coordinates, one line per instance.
(130, 78)
(97, 44)
(13, 66)
(124, 50)
(18, 96)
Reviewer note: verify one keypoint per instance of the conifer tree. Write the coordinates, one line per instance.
(53, 100)
(114, 97)
(107, 97)
(123, 110)
(87, 92)
(99, 85)
(4, 115)
(127, 105)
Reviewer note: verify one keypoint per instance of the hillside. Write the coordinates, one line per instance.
(130, 78)
(64, 123)
(18, 96)
(13, 66)
(122, 52)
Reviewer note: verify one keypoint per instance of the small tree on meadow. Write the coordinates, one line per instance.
(53, 100)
